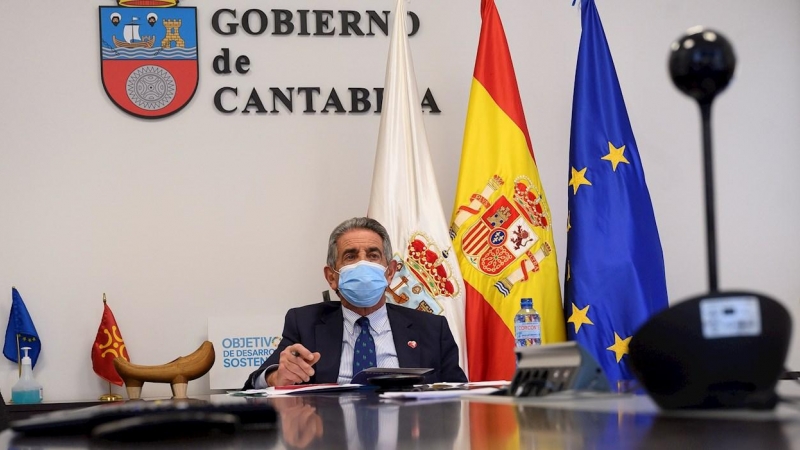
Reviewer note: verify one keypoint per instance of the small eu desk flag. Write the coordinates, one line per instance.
(615, 268)
(20, 331)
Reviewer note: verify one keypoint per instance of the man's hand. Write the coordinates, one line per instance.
(294, 366)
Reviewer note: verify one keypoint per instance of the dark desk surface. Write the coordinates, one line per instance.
(19, 412)
(360, 420)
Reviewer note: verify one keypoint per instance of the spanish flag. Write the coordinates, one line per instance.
(501, 224)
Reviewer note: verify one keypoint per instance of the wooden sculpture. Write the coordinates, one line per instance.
(177, 373)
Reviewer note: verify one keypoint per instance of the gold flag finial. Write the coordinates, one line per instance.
(104, 297)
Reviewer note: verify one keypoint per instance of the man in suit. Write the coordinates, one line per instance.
(319, 340)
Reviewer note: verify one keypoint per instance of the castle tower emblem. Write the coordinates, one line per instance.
(173, 34)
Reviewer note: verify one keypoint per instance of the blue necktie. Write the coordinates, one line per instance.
(364, 352)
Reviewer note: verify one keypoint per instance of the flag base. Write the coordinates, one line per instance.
(110, 398)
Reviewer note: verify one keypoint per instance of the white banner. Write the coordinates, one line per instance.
(405, 198)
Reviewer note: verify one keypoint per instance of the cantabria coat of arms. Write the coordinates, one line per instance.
(423, 277)
(148, 55)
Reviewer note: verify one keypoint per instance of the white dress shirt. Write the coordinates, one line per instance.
(381, 331)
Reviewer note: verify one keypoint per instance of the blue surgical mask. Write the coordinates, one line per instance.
(363, 283)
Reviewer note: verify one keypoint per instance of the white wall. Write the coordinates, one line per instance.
(201, 214)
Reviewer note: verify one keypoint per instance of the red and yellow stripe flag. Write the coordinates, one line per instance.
(501, 224)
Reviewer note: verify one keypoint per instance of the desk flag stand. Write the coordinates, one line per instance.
(19, 359)
(111, 396)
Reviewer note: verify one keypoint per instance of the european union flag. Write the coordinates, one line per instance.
(20, 326)
(615, 269)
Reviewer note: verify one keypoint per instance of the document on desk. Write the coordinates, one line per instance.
(438, 393)
(295, 389)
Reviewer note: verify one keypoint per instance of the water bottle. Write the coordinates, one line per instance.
(27, 389)
(527, 325)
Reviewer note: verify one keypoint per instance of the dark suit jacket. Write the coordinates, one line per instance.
(320, 327)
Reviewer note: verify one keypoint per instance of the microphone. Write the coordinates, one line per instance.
(721, 349)
(701, 65)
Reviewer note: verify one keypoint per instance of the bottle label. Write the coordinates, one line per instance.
(528, 330)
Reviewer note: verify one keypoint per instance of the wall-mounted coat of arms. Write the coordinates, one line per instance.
(148, 54)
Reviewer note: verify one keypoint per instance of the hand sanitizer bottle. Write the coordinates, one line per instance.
(27, 389)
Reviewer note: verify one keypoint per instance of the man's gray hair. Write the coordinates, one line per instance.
(358, 223)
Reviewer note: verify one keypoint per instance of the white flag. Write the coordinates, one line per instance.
(405, 198)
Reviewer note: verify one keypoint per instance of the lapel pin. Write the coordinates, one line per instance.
(412, 344)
